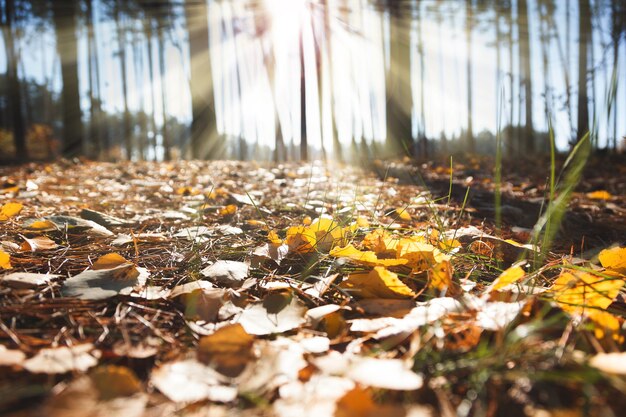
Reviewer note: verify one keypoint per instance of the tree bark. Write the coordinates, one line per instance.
(471, 147)
(121, 39)
(204, 141)
(583, 99)
(14, 88)
(525, 61)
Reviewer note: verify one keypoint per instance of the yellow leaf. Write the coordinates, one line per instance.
(228, 350)
(41, 226)
(362, 221)
(300, 239)
(419, 255)
(606, 325)
(440, 276)
(576, 291)
(256, 223)
(307, 220)
(599, 195)
(10, 210)
(509, 276)
(186, 191)
(5, 260)
(229, 210)
(377, 283)
(403, 214)
(328, 233)
(274, 238)
(614, 258)
(109, 261)
(381, 242)
(10, 190)
(115, 381)
(365, 258)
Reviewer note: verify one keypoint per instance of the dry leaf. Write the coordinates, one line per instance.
(440, 279)
(277, 313)
(365, 258)
(392, 374)
(229, 273)
(576, 291)
(37, 244)
(63, 359)
(229, 210)
(377, 283)
(109, 261)
(612, 363)
(101, 284)
(403, 214)
(115, 381)
(40, 226)
(599, 195)
(190, 381)
(11, 357)
(507, 277)
(606, 325)
(228, 350)
(9, 210)
(614, 258)
(26, 279)
(5, 260)
(316, 398)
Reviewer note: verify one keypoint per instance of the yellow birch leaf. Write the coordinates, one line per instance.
(509, 276)
(365, 258)
(307, 220)
(599, 195)
(440, 276)
(419, 255)
(362, 221)
(5, 260)
(614, 258)
(606, 324)
(187, 191)
(576, 291)
(41, 226)
(10, 210)
(381, 242)
(274, 238)
(377, 283)
(403, 214)
(110, 261)
(300, 239)
(229, 210)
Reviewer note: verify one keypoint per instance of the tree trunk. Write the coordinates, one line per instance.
(95, 145)
(67, 47)
(14, 88)
(121, 39)
(471, 147)
(304, 145)
(167, 147)
(525, 58)
(510, 137)
(147, 28)
(583, 100)
(423, 141)
(204, 141)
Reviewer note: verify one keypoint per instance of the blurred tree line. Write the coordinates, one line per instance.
(64, 111)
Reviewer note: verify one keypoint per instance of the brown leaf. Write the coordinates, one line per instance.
(228, 350)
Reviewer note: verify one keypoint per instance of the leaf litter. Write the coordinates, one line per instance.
(281, 289)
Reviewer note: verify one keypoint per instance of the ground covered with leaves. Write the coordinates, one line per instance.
(227, 288)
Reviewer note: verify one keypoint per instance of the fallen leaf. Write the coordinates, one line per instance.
(576, 291)
(115, 381)
(228, 273)
(611, 363)
(228, 350)
(614, 258)
(63, 359)
(190, 381)
(497, 315)
(101, 284)
(403, 214)
(599, 195)
(271, 251)
(11, 357)
(507, 277)
(277, 313)
(5, 260)
(40, 226)
(419, 255)
(316, 398)
(9, 210)
(381, 242)
(440, 279)
(26, 279)
(606, 325)
(109, 261)
(102, 218)
(229, 210)
(204, 303)
(392, 374)
(365, 258)
(377, 283)
(76, 225)
(39, 243)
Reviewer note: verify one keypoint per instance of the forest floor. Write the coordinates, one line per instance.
(231, 288)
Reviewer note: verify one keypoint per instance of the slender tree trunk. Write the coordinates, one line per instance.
(525, 61)
(471, 147)
(304, 145)
(510, 141)
(423, 141)
(121, 39)
(167, 147)
(328, 44)
(583, 99)
(95, 145)
(148, 33)
(204, 141)
(545, 10)
(67, 47)
(14, 88)
(141, 113)
(442, 86)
